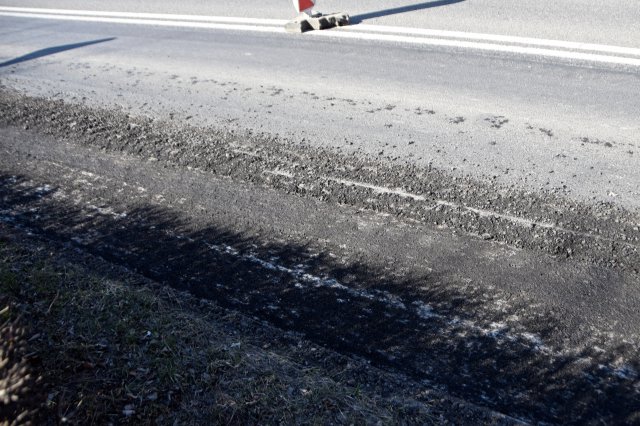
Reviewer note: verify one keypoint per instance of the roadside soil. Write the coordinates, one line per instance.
(601, 233)
(522, 303)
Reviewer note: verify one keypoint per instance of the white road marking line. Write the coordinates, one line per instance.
(356, 28)
(603, 48)
(155, 22)
(530, 51)
(456, 39)
(138, 15)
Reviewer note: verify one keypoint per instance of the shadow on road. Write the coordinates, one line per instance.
(411, 324)
(402, 9)
(52, 51)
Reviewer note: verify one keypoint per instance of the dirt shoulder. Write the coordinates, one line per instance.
(545, 221)
(361, 258)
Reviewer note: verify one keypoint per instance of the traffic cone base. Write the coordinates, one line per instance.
(304, 23)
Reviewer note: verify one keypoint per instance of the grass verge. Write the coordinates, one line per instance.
(86, 342)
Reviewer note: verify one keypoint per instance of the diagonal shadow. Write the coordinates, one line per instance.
(53, 50)
(353, 308)
(402, 9)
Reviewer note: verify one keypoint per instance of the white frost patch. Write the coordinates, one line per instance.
(534, 339)
(378, 189)
(495, 329)
(498, 331)
(278, 172)
(525, 222)
(480, 212)
(425, 311)
(242, 152)
(43, 189)
(107, 211)
(626, 372)
(84, 182)
(304, 279)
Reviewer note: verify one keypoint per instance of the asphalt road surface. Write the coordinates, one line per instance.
(450, 189)
(539, 121)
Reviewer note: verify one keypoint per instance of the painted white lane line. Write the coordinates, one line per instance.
(139, 15)
(356, 28)
(569, 45)
(155, 22)
(360, 32)
(522, 50)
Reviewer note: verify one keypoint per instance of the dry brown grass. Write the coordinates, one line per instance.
(112, 347)
(19, 399)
